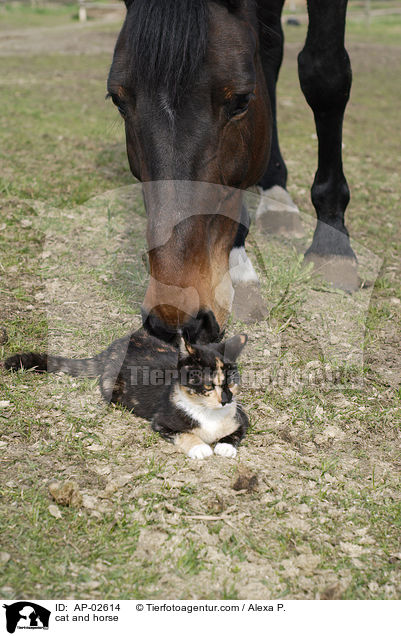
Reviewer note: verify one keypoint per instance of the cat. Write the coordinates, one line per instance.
(188, 393)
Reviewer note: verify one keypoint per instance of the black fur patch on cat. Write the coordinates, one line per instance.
(185, 389)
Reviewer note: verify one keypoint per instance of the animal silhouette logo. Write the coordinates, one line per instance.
(26, 615)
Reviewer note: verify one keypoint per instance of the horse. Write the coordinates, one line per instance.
(195, 82)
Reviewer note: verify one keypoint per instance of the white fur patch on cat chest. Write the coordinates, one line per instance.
(217, 423)
(214, 423)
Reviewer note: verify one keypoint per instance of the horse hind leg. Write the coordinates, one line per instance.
(276, 213)
(325, 78)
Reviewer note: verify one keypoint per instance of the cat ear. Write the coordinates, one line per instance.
(232, 347)
(185, 348)
(203, 329)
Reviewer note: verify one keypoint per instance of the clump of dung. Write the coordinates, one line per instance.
(246, 480)
(66, 493)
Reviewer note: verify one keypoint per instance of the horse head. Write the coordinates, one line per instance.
(187, 79)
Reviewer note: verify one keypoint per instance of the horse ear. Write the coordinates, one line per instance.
(232, 348)
(128, 3)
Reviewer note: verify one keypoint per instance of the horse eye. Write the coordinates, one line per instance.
(117, 102)
(238, 105)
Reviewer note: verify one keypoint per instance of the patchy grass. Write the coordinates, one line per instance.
(15, 15)
(324, 520)
(380, 30)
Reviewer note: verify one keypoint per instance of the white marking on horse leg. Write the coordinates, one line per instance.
(241, 268)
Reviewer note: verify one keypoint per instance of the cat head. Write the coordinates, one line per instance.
(208, 373)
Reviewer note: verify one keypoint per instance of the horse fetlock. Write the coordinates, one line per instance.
(330, 195)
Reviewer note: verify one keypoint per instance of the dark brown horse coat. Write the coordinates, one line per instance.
(195, 84)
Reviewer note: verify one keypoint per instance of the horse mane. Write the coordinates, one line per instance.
(168, 41)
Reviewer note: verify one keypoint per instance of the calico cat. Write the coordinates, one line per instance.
(188, 392)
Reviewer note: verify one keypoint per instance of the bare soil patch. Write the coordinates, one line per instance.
(312, 506)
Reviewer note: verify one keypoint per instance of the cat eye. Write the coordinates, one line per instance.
(208, 387)
(237, 106)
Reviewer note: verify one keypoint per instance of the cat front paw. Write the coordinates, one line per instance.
(200, 451)
(225, 450)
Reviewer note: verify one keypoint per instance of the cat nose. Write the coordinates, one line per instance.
(226, 397)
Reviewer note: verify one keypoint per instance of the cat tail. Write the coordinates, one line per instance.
(42, 362)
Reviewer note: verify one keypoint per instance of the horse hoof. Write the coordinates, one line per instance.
(340, 271)
(248, 305)
(277, 214)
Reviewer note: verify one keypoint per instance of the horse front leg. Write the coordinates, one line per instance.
(276, 213)
(325, 77)
(248, 305)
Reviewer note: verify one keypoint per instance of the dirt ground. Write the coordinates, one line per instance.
(311, 506)
(74, 39)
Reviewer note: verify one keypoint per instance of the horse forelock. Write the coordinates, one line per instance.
(168, 42)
